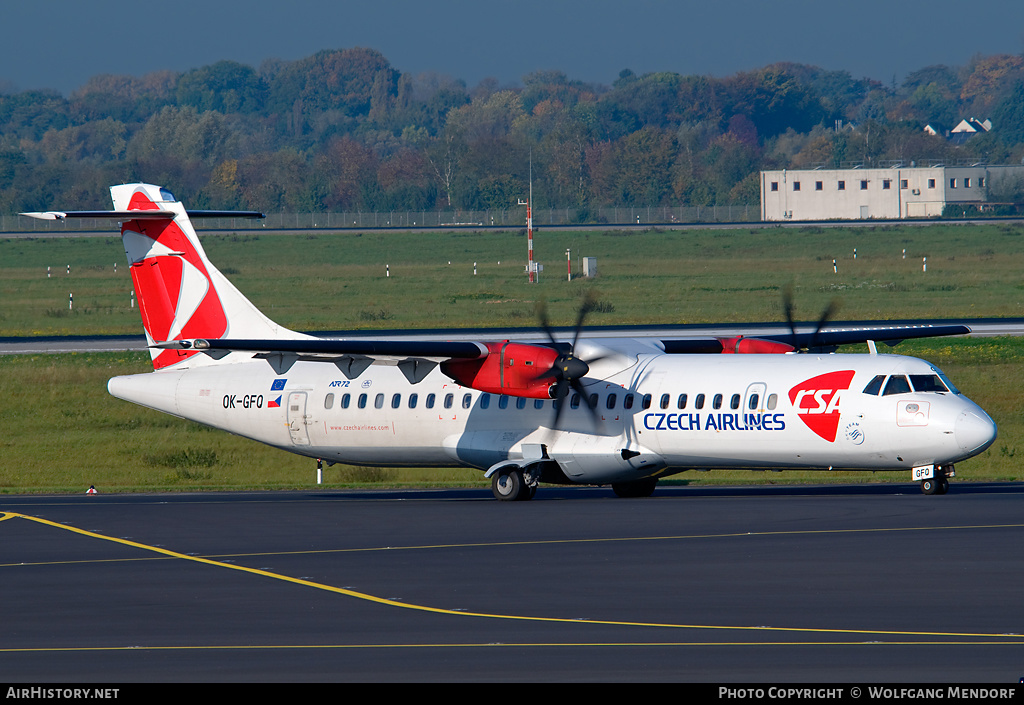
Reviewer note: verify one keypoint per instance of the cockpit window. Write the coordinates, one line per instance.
(927, 383)
(897, 384)
(875, 385)
(945, 380)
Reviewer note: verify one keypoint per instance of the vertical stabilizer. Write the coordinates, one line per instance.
(181, 294)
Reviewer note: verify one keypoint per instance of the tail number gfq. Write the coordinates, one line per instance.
(243, 401)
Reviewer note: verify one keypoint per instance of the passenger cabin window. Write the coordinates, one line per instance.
(665, 401)
(345, 400)
(646, 401)
(362, 401)
(328, 401)
(396, 401)
(611, 401)
(681, 403)
(538, 403)
(927, 383)
(520, 402)
(716, 403)
(574, 403)
(448, 399)
(485, 401)
(773, 401)
(467, 401)
(734, 403)
(627, 401)
(698, 402)
(875, 385)
(378, 401)
(897, 384)
(752, 403)
(503, 402)
(430, 401)
(413, 398)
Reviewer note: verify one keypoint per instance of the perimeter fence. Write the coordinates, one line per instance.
(506, 218)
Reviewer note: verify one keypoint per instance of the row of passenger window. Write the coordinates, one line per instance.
(611, 401)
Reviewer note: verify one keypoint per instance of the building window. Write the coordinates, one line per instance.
(796, 185)
(904, 184)
(863, 185)
(775, 186)
(842, 185)
(886, 183)
(952, 183)
(981, 182)
(931, 183)
(817, 186)
(967, 182)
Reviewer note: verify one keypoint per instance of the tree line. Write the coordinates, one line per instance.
(343, 130)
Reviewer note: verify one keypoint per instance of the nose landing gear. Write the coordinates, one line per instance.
(939, 482)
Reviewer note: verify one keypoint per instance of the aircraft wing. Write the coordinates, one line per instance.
(825, 340)
(417, 356)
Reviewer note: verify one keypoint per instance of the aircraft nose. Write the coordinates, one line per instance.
(974, 431)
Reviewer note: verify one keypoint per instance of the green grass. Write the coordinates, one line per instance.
(61, 431)
(338, 281)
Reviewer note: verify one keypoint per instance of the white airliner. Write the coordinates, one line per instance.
(623, 411)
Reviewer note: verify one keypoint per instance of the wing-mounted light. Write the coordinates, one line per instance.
(740, 345)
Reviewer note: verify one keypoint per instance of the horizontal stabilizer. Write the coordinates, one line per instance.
(141, 214)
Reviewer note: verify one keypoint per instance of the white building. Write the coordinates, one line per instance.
(859, 194)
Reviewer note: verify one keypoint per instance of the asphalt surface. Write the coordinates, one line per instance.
(852, 584)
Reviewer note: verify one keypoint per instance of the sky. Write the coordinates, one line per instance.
(60, 44)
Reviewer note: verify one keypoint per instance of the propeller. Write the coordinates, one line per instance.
(568, 370)
(826, 315)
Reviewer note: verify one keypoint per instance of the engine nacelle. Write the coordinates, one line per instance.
(510, 368)
(516, 369)
(753, 346)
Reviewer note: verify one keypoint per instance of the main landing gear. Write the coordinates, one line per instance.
(512, 485)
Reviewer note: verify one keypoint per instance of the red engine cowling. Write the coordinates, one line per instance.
(753, 346)
(509, 368)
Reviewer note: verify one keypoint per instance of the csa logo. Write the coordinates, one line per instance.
(817, 400)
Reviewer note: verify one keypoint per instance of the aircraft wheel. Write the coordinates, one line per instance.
(930, 486)
(509, 485)
(943, 486)
(639, 488)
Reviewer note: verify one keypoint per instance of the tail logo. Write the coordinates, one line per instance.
(817, 401)
(176, 297)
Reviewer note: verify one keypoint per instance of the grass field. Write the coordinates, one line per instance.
(61, 431)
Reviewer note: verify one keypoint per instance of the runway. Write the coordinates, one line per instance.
(852, 584)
